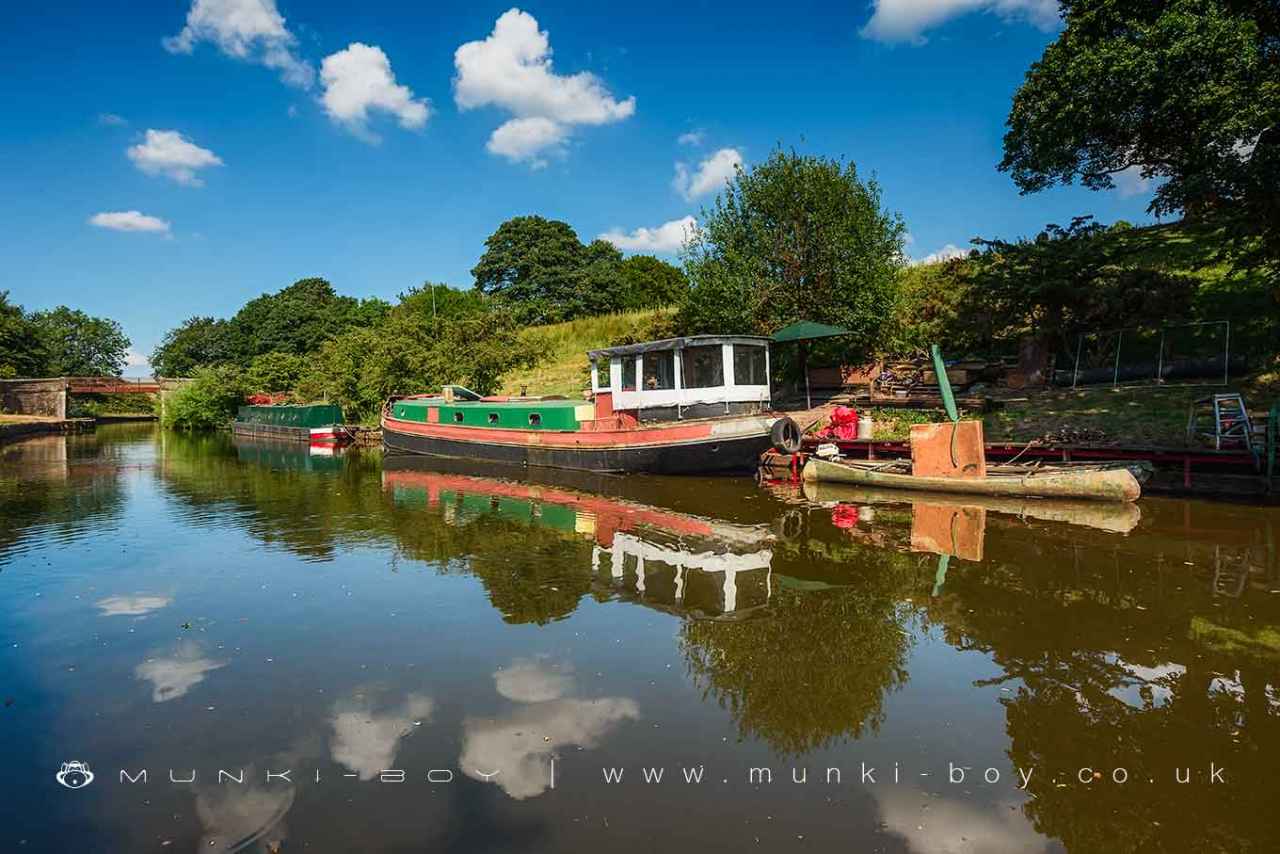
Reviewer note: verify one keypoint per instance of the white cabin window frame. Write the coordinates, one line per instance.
(730, 392)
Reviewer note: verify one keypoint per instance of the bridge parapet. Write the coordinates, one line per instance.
(45, 396)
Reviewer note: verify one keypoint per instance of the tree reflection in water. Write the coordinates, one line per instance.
(1144, 639)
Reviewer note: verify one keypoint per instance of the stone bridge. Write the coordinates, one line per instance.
(48, 396)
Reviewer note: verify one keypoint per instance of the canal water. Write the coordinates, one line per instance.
(252, 648)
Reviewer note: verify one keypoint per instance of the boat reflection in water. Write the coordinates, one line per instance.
(173, 601)
(956, 526)
(674, 561)
(286, 455)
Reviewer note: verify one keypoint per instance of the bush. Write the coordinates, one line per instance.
(795, 238)
(409, 354)
(209, 401)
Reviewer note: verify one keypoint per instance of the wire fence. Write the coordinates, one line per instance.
(1150, 356)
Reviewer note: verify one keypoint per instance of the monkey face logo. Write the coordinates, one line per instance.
(74, 775)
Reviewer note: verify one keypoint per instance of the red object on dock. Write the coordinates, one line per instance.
(844, 424)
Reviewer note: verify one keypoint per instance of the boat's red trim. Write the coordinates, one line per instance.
(665, 434)
(611, 515)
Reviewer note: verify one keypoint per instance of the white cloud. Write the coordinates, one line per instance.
(249, 30)
(173, 676)
(515, 751)
(359, 80)
(138, 604)
(693, 137)
(522, 744)
(709, 177)
(1129, 182)
(907, 20)
(169, 153)
(128, 221)
(668, 237)
(950, 826)
(946, 253)
(112, 120)
(534, 681)
(134, 359)
(511, 69)
(526, 139)
(367, 741)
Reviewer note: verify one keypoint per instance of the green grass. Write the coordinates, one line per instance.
(1129, 416)
(1140, 416)
(563, 367)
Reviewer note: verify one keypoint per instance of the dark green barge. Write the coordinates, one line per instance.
(314, 422)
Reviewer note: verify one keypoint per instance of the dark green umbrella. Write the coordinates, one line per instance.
(802, 332)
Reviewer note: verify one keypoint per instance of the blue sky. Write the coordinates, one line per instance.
(260, 142)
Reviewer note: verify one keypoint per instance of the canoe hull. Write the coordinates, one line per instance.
(1108, 484)
(686, 451)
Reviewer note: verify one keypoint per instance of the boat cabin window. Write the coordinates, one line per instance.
(659, 370)
(602, 374)
(457, 416)
(749, 365)
(702, 367)
(534, 419)
(493, 418)
(628, 373)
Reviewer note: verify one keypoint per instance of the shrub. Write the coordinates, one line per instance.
(209, 401)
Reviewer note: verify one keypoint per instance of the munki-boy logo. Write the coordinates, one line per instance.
(75, 775)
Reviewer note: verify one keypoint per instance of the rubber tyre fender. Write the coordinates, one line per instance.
(785, 435)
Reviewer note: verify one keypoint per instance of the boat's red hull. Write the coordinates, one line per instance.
(689, 447)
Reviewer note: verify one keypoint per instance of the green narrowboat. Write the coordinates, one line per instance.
(312, 422)
(692, 405)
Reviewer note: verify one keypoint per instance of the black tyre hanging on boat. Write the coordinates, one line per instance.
(785, 435)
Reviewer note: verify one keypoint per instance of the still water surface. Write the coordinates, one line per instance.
(506, 645)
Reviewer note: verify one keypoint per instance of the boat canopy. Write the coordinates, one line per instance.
(684, 374)
(674, 344)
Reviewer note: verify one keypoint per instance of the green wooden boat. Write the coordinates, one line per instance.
(1084, 481)
(313, 422)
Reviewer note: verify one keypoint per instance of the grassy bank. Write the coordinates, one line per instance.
(563, 367)
(1131, 417)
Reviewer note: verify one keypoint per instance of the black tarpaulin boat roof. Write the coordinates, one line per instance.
(675, 344)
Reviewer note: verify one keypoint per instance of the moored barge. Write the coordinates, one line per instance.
(692, 405)
(319, 423)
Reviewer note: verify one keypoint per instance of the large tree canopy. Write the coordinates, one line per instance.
(197, 342)
(649, 282)
(795, 238)
(76, 344)
(1187, 91)
(297, 319)
(1066, 282)
(545, 274)
(22, 351)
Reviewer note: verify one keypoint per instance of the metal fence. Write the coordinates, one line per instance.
(1145, 356)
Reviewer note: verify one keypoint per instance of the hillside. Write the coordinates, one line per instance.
(563, 368)
(934, 293)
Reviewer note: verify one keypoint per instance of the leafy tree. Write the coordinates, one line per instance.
(795, 238)
(22, 352)
(296, 319)
(649, 282)
(1066, 281)
(199, 341)
(411, 353)
(935, 305)
(209, 401)
(1186, 90)
(441, 302)
(79, 345)
(545, 274)
(274, 372)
